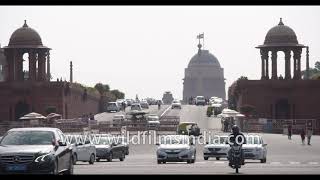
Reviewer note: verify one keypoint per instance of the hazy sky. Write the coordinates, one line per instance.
(144, 49)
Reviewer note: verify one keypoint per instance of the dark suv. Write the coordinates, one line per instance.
(35, 150)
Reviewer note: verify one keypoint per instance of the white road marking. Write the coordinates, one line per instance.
(275, 163)
(219, 162)
(313, 163)
(294, 162)
(164, 112)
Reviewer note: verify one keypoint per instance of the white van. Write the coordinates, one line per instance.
(200, 100)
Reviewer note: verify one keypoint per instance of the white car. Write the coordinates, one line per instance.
(200, 100)
(217, 148)
(153, 121)
(255, 148)
(83, 149)
(113, 107)
(176, 148)
(118, 119)
(136, 107)
(175, 104)
(144, 104)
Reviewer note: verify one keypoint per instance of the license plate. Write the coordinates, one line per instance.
(16, 168)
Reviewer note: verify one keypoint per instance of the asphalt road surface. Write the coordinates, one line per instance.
(284, 156)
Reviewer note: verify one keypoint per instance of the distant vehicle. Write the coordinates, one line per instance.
(129, 102)
(176, 148)
(113, 107)
(108, 148)
(136, 106)
(118, 119)
(35, 150)
(217, 148)
(144, 104)
(120, 101)
(153, 121)
(82, 151)
(167, 97)
(255, 148)
(188, 128)
(0, 138)
(176, 104)
(200, 100)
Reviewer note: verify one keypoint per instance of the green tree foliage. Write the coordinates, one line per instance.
(102, 88)
(118, 94)
(314, 73)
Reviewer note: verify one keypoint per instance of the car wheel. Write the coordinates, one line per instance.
(218, 158)
(55, 170)
(70, 170)
(92, 157)
(127, 152)
(189, 161)
(98, 160)
(159, 161)
(163, 162)
(205, 158)
(263, 160)
(75, 159)
(193, 160)
(109, 159)
(123, 156)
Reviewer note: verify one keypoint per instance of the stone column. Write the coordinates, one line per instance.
(274, 64)
(297, 63)
(32, 66)
(20, 74)
(267, 65)
(287, 57)
(48, 66)
(9, 57)
(307, 63)
(41, 66)
(263, 68)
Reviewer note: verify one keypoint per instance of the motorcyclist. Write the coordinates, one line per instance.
(159, 104)
(236, 138)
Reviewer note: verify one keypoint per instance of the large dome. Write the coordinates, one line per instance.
(204, 57)
(281, 35)
(25, 36)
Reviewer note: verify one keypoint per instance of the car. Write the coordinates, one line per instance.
(118, 119)
(176, 104)
(83, 149)
(255, 148)
(216, 148)
(176, 148)
(144, 104)
(109, 148)
(0, 138)
(38, 150)
(153, 121)
(200, 100)
(113, 107)
(188, 128)
(129, 102)
(136, 107)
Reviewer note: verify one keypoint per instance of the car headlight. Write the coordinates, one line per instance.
(43, 158)
(206, 150)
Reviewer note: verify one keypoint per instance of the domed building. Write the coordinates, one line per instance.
(281, 101)
(203, 76)
(30, 89)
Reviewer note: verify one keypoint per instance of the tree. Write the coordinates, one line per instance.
(243, 78)
(102, 88)
(118, 94)
(313, 72)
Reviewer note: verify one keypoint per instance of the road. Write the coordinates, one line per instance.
(284, 156)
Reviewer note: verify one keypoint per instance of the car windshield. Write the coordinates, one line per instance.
(105, 140)
(174, 140)
(28, 138)
(253, 140)
(200, 98)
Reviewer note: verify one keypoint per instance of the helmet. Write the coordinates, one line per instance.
(235, 129)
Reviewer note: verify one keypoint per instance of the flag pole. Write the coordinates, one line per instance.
(203, 40)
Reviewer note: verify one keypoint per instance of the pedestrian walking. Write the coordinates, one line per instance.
(303, 135)
(309, 134)
(289, 131)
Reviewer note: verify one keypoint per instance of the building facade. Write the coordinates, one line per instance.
(31, 90)
(274, 96)
(203, 77)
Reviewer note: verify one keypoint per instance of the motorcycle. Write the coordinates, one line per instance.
(235, 159)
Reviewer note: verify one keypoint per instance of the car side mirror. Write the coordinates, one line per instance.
(207, 142)
(157, 144)
(62, 143)
(79, 144)
(114, 144)
(191, 143)
(264, 145)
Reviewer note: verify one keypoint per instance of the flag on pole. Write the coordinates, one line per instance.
(200, 36)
